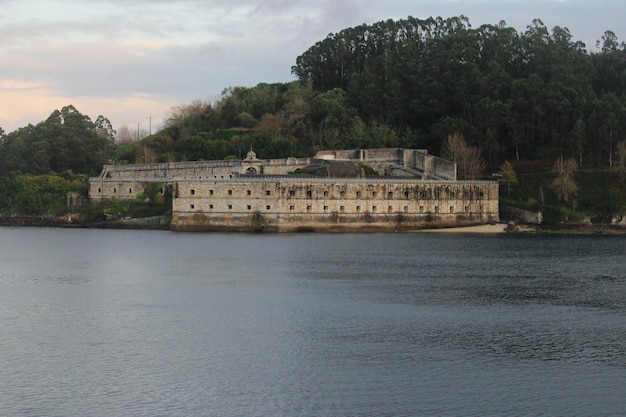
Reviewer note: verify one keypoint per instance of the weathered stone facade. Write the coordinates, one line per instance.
(414, 190)
(282, 204)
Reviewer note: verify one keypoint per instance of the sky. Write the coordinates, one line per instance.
(132, 61)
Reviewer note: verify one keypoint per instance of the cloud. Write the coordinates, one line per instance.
(127, 59)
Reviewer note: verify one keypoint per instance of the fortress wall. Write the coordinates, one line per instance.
(443, 168)
(214, 195)
(121, 189)
(432, 166)
(155, 172)
(390, 155)
(281, 166)
(290, 205)
(128, 181)
(202, 169)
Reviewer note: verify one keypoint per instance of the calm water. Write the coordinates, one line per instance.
(135, 323)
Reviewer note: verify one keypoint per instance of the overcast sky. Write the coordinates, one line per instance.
(133, 60)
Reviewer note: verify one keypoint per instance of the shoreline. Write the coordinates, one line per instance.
(163, 223)
(483, 228)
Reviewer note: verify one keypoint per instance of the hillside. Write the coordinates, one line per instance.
(529, 98)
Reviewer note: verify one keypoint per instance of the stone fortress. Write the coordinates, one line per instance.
(405, 190)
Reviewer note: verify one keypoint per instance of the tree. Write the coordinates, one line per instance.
(470, 163)
(609, 43)
(621, 158)
(124, 135)
(564, 184)
(508, 176)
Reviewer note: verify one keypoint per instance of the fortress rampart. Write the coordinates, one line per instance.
(284, 204)
(414, 190)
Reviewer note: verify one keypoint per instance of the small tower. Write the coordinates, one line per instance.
(251, 165)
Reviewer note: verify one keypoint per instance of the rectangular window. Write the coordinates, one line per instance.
(268, 207)
(292, 193)
(421, 209)
(342, 194)
(374, 194)
(292, 208)
(130, 191)
(99, 190)
(267, 192)
(193, 192)
(451, 209)
(230, 207)
(309, 194)
(342, 209)
(191, 206)
(248, 192)
(114, 190)
(390, 209)
(374, 208)
(406, 209)
(390, 194)
(358, 194)
(249, 207)
(211, 206)
(308, 208)
(325, 193)
(210, 192)
(358, 208)
(325, 208)
(230, 192)
(436, 209)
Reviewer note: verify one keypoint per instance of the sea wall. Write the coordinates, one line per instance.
(292, 204)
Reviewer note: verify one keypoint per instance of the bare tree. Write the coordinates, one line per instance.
(470, 163)
(564, 184)
(145, 155)
(621, 157)
(124, 135)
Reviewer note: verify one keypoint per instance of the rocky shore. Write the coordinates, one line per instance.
(568, 229)
(144, 223)
(163, 223)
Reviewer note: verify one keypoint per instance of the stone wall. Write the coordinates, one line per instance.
(255, 194)
(201, 169)
(127, 181)
(432, 166)
(289, 204)
(123, 189)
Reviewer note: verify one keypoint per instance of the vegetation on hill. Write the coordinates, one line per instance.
(533, 107)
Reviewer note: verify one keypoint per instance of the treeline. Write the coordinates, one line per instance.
(515, 95)
(519, 96)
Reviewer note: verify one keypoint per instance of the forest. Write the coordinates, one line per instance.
(544, 114)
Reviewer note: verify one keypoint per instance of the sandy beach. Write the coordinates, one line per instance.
(484, 228)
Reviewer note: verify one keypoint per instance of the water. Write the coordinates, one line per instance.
(142, 323)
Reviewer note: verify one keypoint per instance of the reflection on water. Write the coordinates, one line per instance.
(157, 323)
